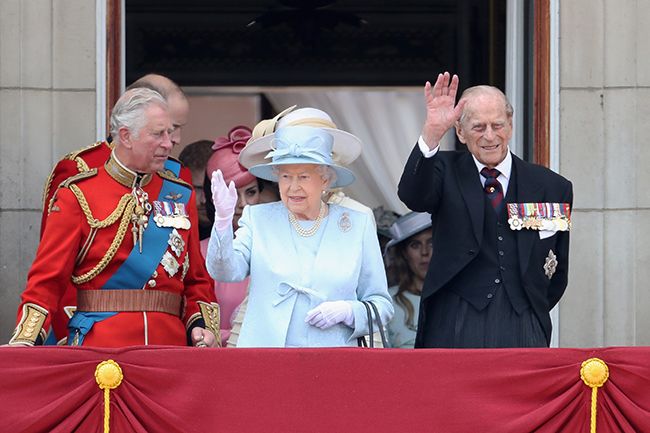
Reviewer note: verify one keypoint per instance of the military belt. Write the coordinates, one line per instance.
(129, 300)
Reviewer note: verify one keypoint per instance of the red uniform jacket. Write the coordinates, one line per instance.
(65, 234)
(93, 156)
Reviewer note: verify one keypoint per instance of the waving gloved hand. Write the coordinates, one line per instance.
(224, 199)
(329, 313)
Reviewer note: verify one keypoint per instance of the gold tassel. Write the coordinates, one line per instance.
(594, 373)
(108, 375)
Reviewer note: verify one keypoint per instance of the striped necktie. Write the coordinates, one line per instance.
(493, 187)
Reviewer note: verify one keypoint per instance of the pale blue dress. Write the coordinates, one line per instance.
(291, 274)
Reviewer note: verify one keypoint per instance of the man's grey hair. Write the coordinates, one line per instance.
(128, 111)
(474, 91)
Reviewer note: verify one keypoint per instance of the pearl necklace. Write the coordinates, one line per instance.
(313, 229)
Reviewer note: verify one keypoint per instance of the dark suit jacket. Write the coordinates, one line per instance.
(449, 187)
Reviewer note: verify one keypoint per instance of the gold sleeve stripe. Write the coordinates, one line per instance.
(30, 325)
(211, 316)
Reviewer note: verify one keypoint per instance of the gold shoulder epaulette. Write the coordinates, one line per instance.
(169, 175)
(76, 156)
(72, 156)
(66, 184)
(175, 159)
(79, 176)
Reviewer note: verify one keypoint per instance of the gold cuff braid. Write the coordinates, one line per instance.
(211, 317)
(30, 326)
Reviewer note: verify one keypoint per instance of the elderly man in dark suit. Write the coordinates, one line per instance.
(501, 239)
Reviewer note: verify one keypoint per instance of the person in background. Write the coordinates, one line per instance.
(385, 219)
(269, 191)
(195, 157)
(288, 248)
(125, 235)
(179, 106)
(226, 159)
(411, 248)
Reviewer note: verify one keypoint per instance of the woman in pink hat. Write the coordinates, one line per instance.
(226, 159)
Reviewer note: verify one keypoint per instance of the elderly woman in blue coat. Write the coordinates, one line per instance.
(310, 263)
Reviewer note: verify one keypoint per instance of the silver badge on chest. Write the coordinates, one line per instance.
(176, 243)
(550, 265)
(170, 264)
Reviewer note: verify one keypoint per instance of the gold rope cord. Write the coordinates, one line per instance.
(125, 209)
(81, 164)
(46, 190)
(594, 373)
(108, 375)
(109, 220)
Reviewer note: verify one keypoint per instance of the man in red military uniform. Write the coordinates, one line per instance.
(95, 156)
(126, 235)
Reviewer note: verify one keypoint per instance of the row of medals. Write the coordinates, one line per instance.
(561, 224)
(176, 218)
(539, 216)
(140, 218)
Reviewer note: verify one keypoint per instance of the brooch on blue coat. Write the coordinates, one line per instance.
(344, 222)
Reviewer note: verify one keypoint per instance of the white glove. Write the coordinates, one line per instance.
(329, 313)
(224, 199)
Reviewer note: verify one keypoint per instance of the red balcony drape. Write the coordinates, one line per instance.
(165, 389)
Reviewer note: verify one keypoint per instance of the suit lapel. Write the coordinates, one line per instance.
(470, 188)
(528, 191)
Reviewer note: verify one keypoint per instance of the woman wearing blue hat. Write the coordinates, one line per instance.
(310, 263)
(410, 250)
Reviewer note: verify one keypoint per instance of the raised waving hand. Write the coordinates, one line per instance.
(442, 112)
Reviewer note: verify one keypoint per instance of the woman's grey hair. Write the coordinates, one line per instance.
(325, 171)
(485, 90)
(128, 111)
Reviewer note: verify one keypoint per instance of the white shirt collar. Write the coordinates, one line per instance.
(504, 167)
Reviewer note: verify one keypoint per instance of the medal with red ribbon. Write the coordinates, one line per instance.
(539, 216)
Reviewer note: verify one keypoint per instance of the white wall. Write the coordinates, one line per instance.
(47, 109)
(604, 124)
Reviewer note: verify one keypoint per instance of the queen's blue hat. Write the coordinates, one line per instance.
(302, 145)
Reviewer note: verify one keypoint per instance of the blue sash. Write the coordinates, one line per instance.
(138, 267)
